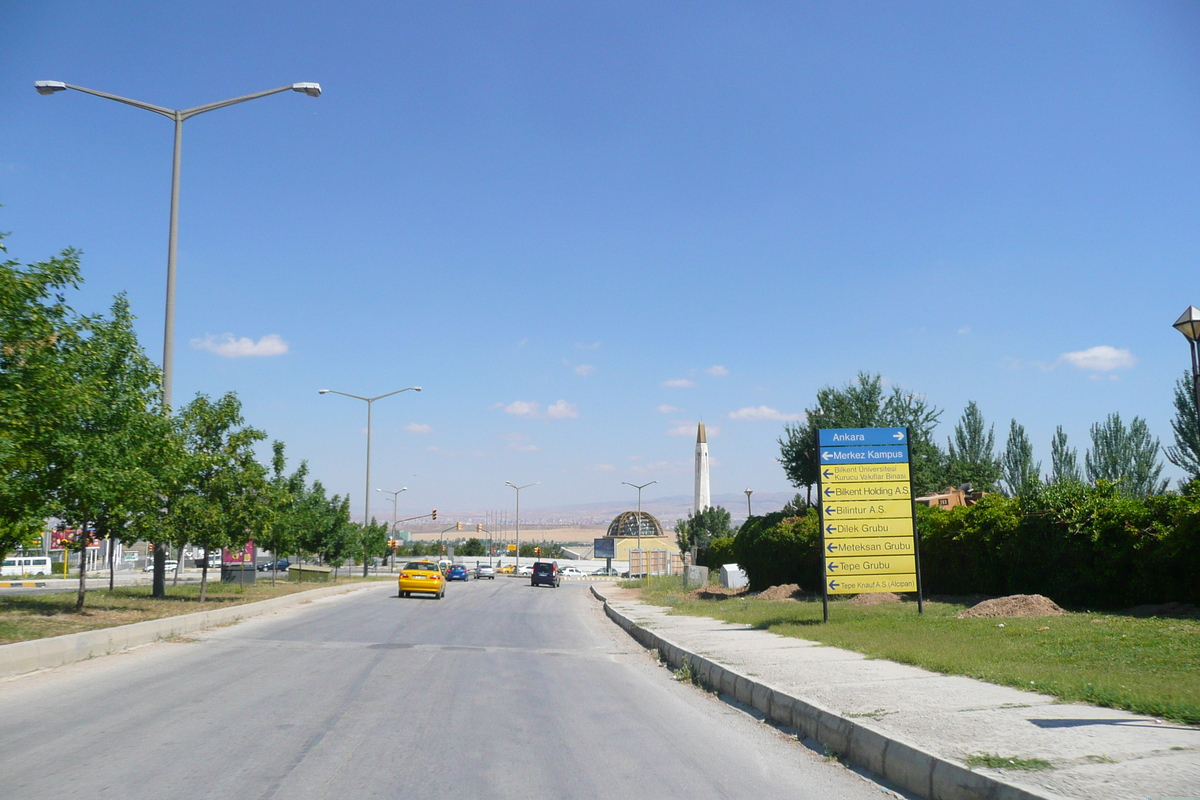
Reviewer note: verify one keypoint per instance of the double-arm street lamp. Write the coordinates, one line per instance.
(1189, 325)
(394, 495)
(519, 488)
(639, 515)
(50, 87)
(367, 494)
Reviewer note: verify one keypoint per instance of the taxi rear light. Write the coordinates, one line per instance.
(404, 575)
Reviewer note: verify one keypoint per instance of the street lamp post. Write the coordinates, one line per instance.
(518, 535)
(1189, 325)
(367, 494)
(639, 515)
(749, 513)
(394, 495)
(50, 87)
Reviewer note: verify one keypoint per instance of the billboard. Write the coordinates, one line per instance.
(604, 548)
(70, 536)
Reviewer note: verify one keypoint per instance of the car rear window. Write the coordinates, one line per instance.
(543, 569)
(422, 565)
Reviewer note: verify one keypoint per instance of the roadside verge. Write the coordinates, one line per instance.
(20, 658)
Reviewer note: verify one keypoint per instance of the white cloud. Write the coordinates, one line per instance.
(717, 369)
(417, 427)
(522, 408)
(761, 413)
(519, 441)
(230, 346)
(679, 383)
(665, 409)
(585, 369)
(562, 410)
(1101, 358)
(584, 346)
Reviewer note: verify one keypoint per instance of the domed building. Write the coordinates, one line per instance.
(626, 535)
(626, 524)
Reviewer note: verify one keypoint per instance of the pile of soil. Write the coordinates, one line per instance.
(714, 593)
(875, 599)
(788, 591)
(1017, 605)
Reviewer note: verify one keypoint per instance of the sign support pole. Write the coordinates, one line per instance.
(916, 528)
(821, 520)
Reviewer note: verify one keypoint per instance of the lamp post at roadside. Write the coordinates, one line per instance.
(749, 513)
(639, 516)
(519, 488)
(367, 494)
(394, 495)
(1189, 325)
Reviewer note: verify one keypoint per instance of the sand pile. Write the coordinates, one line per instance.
(875, 598)
(787, 591)
(1017, 605)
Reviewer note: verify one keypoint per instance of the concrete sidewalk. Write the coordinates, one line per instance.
(916, 728)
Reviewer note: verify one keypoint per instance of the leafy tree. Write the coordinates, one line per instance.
(370, 541)
(971, 456)
(1126, 457)
(287, 494)
(1064, 460)
(863, 404)
(473, 547)
(1016, 464)
(701, 527)
(1185, 453)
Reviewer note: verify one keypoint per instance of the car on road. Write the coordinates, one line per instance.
(422, 577)
(485, 571)
(525, 570)
(507, 569)
(279, 566)
(457, 572)
(571, 572)
(608, 572)
(545, 573)
(170, 566)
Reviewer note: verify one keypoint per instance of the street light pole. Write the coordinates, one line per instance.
(178, 116)
(639, 514)
(1189, 325)
(749, 513)
(367, 494)
(519, 488)
(394, 495)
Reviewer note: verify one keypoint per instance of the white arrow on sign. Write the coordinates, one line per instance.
(898, 436)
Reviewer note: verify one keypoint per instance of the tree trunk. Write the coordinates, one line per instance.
(204, 577)
(83, 539)
(160, 571)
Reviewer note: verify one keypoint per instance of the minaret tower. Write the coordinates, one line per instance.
(702, 496)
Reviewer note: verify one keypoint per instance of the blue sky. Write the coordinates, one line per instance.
(584, 227)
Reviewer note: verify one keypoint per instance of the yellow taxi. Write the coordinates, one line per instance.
(506, 570)
(422, 576)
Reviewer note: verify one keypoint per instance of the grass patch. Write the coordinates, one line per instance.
(993, 761)
(37, 616)
(1148, 666)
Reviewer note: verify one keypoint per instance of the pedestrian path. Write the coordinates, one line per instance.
(917, 728)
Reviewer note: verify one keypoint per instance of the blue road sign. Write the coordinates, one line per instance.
(881, 454)
(849, 437)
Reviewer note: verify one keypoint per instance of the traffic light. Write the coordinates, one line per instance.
(443, 549)
(479, 527)
(460, 526)
(435, 513)
(537, 551)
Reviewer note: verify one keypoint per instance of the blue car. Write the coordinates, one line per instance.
(457, 572)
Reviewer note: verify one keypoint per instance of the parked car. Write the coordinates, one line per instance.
(571, 572)
(608, 572)
(545, 573)
(457, 572)
(485, 571)
(170, 567)
(422, 576)
(279, 566)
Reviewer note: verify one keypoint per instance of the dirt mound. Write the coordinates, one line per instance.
(1017, 605)
(714, 593)
(875, 598)
(787, 591)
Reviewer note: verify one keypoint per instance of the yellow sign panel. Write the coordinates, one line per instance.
(512, 548)
(867, 584)
(868, 527)
(866, 509)
(870, 565)
(840, 548)
(897, 490)
(872, 473)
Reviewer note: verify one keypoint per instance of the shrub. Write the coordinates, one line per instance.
(719, 551)
(777, 549)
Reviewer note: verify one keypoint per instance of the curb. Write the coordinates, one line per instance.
(22, 584)
(894, 760)
(20, 658)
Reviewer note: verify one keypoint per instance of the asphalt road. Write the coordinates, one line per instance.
(500, 690)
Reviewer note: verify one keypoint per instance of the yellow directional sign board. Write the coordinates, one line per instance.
(868, 509)
(893, 490)
(851, 473)
(870, 565)
(866, 584)
(900, 545)
(867, 525)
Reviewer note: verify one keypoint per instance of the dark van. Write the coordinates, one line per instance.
(545, 573)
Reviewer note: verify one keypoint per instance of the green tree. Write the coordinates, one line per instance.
(1185, 453)
(1017, 466)
(370, 541)
(971, 457)
(863, 404)
(473, 547)
(701, 527)
(287, 493)
(1064, 460)
(1125, 457)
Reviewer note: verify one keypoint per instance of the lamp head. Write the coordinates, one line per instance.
(49, 87)
(310, 89)
(416, 388)
(1189, 324)
(322, 391)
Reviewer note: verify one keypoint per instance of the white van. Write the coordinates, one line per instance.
(25, 565)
